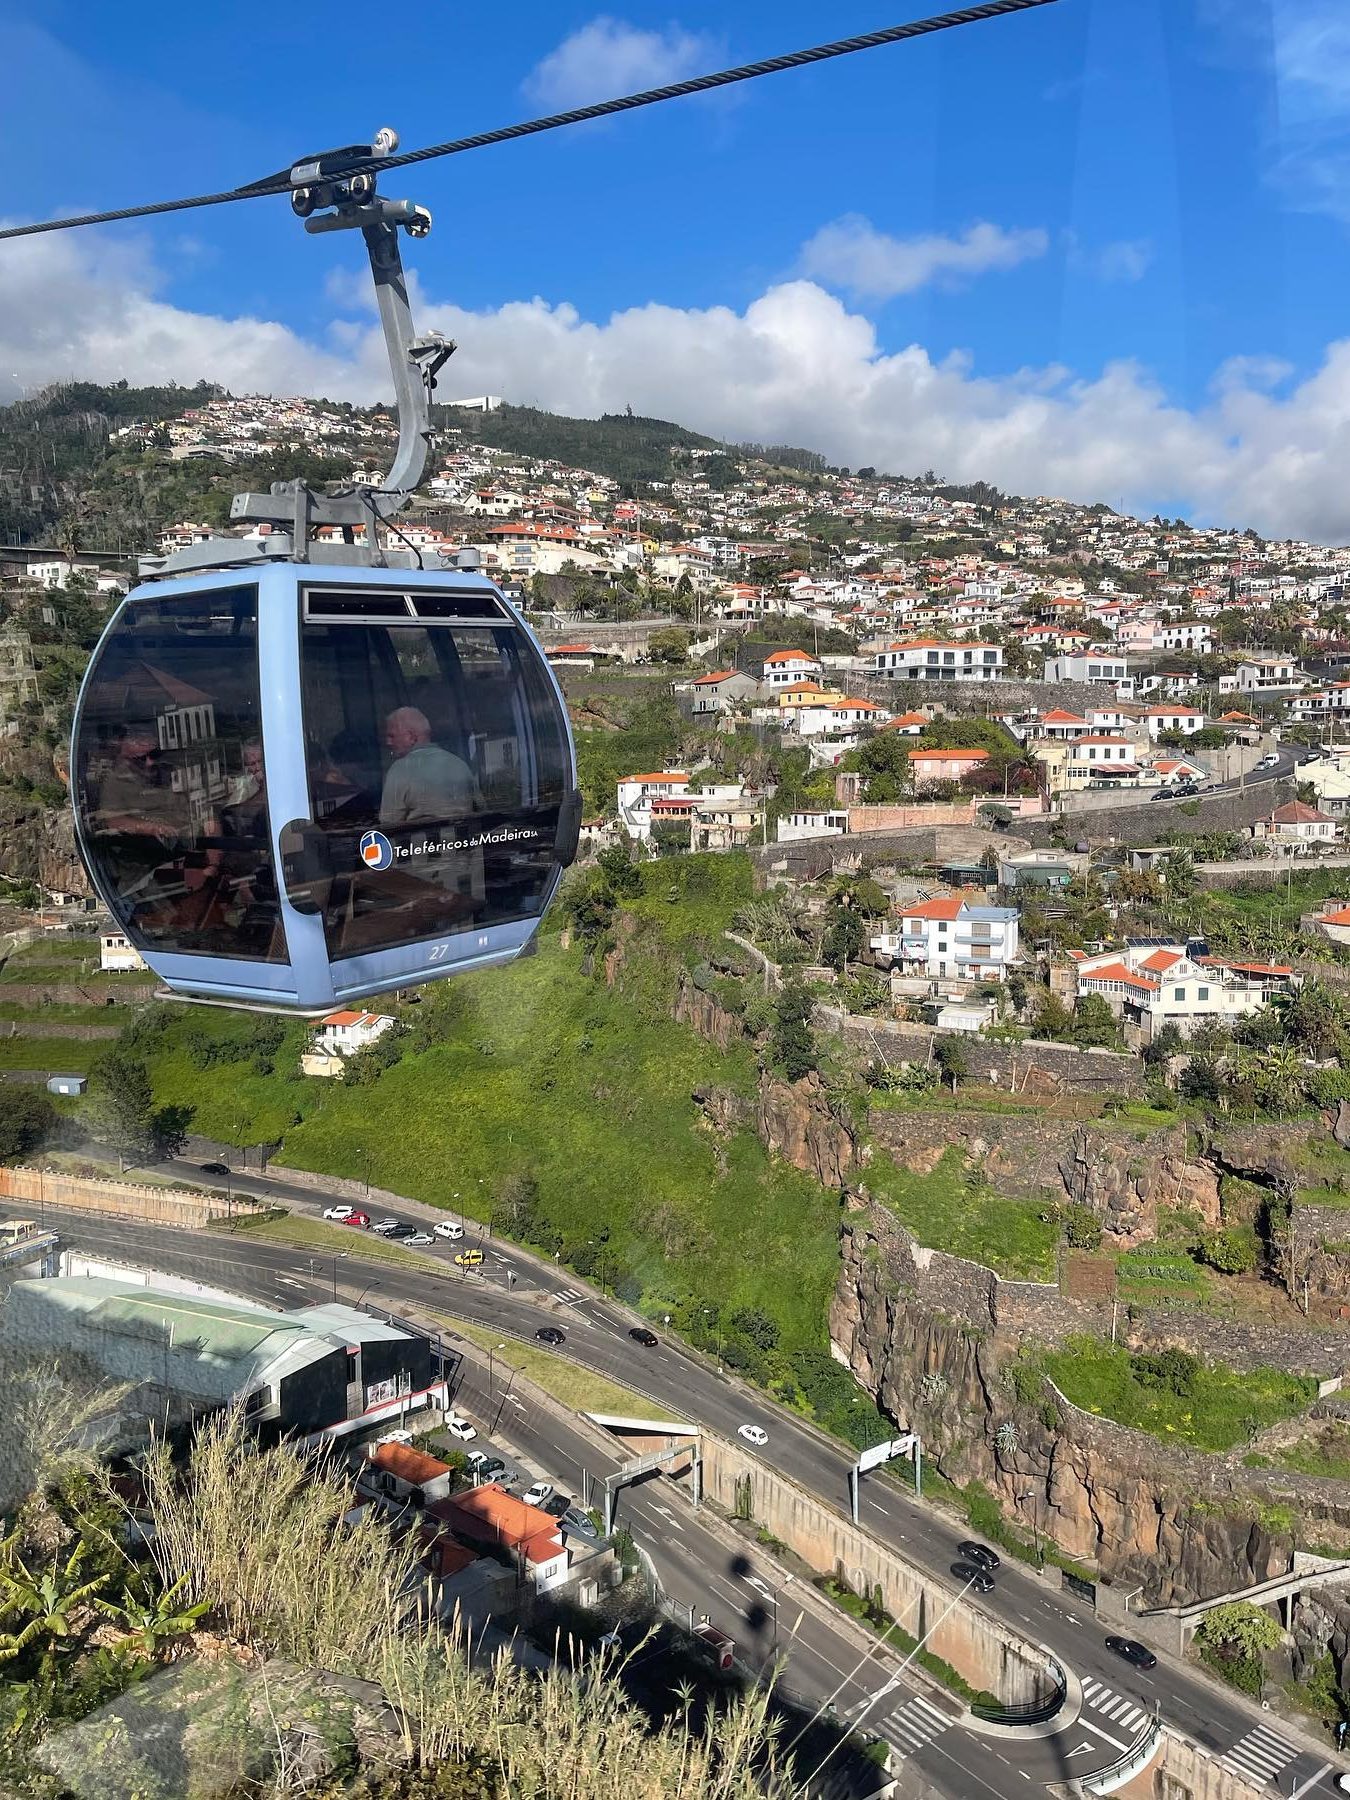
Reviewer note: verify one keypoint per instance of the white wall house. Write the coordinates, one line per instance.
(1149, 985)
(117, 954)
(1187, 719)
(1096, 665)
(786, 666)
(952, 938)
(636, 793)
(932, 659)
(793, 827)
(344, 1033)
(1268, 675)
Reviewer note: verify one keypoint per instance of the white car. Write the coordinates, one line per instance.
(460, 1428)
(1268, 762)
(754, 1434)
(448, 1229)
(536, 1495)
(338, 1212)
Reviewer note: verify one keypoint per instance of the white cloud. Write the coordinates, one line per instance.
(851, 253)
(797, 365)
(608, 57)
(1128, 259)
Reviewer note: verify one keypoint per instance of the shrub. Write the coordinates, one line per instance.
(1175, 1371)
(1082, 1227)
(1235, 1250)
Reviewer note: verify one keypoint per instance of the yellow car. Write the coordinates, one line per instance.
(469, 1259)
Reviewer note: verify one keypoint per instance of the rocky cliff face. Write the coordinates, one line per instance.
(1124, 1181)
(793, 1119)
(703, 1011)
(37, 843)
(1179, 1524)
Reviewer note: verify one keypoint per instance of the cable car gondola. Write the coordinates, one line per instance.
(307, 771)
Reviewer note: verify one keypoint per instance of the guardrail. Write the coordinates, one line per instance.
(1037, 1712)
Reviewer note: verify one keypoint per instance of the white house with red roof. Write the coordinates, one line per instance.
(908, 724)
(839, 715)
(1333, 922)
(636, 794)
(786, 666)
(339, 1036)
(1296, 826)
(953, 937)
(1150, 984)
(1173, 717)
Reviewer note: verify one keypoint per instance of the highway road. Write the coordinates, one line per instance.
(520, 1293)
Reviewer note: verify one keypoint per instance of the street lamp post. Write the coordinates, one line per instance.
(1035, 1527)
(716, 1312)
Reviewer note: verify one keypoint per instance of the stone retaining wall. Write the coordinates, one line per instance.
(1141, 824)
(56, 1028)
(118, 1199)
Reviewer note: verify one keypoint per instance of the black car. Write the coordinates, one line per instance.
(641, 1335)
(549, 1334)
(1136, 1654)
(556, 1505)
(491, 1469)
(214, 1169)
(975, 1576)
(986, 1559)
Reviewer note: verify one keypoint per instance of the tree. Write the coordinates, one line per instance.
(123, 1108)
(952, 1060)
(755, 1325)
(26, 1121)
(794, 1045)
(844, 939)
(620, 872)
(670, 645)
(1233, 1251)
(1240, 1629)
(1094, 1024)
(1179, 874)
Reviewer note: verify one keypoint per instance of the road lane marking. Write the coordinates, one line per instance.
(1097, 1731)
(1311, 1782)
(1262, 1753)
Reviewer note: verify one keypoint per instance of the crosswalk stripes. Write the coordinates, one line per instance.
(570, 1295)
(1117, 1707)
(1261, 1754)
(916, 1724)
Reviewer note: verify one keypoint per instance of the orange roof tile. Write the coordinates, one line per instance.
(1161, 960)
(945, 906)
(1117, 971)
(716, 675)
(788, 656)
(488, 1514)
(670, 775)
(971, 755)
(413, 1466)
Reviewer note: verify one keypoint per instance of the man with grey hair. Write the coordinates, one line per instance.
(425, 784)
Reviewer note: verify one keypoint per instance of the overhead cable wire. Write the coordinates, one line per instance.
(280, 183)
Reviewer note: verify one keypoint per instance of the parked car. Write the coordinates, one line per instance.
(476, 1458)
(987, 1559)
(1185, 790)
(469, 1259)
(538, 1493)
(557, 1506)
(385, 1226)
(550, 1334)
(338, 1213)
(416, 1237)
(754, 1434)
(1138, 1655)
(447, 1228)
(579, 1523)
(1269, 762)
(974, 1576)
(359, 1219)
(492, 1468)
(641, 1335)
(460, 1429)
(214, 1169)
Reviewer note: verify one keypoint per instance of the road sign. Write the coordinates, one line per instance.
(880, 1453)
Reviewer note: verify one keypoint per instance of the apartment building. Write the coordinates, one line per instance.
(932, 659)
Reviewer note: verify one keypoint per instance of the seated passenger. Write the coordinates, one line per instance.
(425, 785)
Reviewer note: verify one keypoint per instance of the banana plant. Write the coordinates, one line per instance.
(152, 1619)
(48, 1604)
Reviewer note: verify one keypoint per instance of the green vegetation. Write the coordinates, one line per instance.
(567, 1381)
(871, 1612)
(625, 447)
(1173, 1396)
(1232, 1639)
(1157, 1275)
(1325, 1451)
(953, 1209)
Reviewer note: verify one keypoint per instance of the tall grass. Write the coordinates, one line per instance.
(259, 1535)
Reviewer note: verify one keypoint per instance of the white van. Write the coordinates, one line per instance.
(447, 1228)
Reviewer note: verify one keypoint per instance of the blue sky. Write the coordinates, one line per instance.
(1101, 248)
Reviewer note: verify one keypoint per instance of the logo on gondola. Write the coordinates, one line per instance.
(376, 850)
